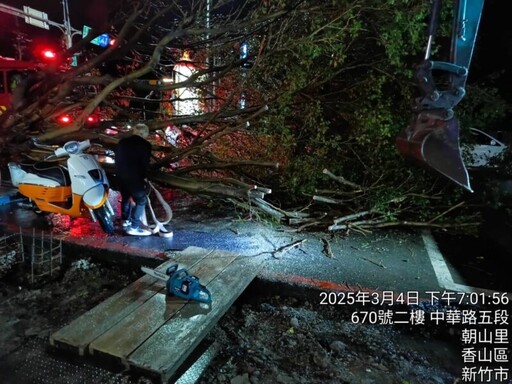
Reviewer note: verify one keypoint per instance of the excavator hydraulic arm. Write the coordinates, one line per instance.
(432, 138)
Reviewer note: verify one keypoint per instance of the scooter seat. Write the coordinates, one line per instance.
(49, 170)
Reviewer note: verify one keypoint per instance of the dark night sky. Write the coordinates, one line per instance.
(90, 12)
(493, 43)
(493, 50)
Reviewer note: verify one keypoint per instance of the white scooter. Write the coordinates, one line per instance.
(78, 189)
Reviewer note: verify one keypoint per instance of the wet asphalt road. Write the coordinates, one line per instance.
(391, 260)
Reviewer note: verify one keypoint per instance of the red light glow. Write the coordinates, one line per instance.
(65, 119)
(49, 54)
(92, 119)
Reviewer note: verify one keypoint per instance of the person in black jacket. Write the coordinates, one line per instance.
(132, 156)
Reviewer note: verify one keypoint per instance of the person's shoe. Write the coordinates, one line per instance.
(138, 231)
(127, 223)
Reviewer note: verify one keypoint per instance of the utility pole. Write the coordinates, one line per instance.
(20, 43)
(67, 24)
(211, 102)
(208, 10)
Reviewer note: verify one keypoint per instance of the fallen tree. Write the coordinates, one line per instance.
(300, 129)
(151, 44)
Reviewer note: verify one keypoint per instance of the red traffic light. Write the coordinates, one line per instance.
(45, 53)
(48, 54)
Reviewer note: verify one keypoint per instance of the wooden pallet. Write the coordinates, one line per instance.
(145, 329)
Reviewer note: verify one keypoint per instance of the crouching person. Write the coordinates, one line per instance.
(132, 156)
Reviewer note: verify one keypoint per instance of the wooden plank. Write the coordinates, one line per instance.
(129, 333)
(82, 331)
(162, 354)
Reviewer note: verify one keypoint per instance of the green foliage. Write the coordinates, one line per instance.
(483, 108)
(308, 150)
(409, 17)
(339, 77)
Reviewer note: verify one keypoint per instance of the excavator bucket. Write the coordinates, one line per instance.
(435, 143)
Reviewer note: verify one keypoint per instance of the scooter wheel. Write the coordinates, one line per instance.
(106, 219)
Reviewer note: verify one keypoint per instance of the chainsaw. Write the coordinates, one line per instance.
(181, 284)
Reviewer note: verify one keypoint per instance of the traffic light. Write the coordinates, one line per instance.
(49, 54)
(45, 53)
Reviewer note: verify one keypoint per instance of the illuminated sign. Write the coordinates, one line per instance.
(102, 40)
